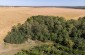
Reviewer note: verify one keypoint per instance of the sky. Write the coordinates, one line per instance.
(42, 2)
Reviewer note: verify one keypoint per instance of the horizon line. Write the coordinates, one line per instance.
(33, 6)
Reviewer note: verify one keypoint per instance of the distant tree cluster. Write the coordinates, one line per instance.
(69, 33)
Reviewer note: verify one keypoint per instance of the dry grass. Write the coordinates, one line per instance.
(10, 16)
(11, 49)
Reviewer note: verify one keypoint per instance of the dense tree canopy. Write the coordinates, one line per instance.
(67, 33)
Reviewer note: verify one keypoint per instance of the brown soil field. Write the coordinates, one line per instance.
(10, 16)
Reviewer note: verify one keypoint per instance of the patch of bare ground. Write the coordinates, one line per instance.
(11, 49)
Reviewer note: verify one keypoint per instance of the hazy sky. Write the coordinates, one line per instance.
(43, 2)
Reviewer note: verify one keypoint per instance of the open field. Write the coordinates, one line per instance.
(10, 16)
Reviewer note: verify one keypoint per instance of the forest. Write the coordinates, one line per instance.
(68, 35)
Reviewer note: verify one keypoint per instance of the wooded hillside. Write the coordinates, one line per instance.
(68, 34)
